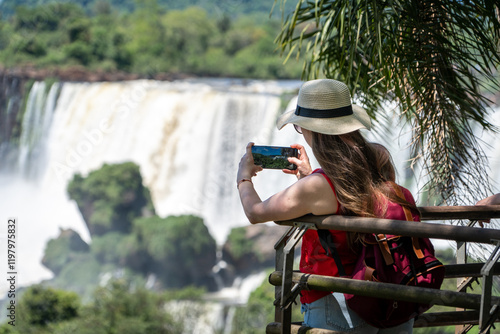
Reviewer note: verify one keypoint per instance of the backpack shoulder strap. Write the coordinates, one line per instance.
(326, 240)
(399, 192)
(409, 217)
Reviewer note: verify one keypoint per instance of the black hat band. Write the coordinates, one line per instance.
(324, 113)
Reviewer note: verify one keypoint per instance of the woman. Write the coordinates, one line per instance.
(351, 182)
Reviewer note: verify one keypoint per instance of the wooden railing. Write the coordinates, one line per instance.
(473, 309)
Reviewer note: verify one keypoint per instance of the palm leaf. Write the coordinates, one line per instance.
(434, 59)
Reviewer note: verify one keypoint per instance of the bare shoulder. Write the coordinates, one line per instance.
(313, 182)
(320, 195)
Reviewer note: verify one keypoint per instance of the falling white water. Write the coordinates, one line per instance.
(198, 317)
(238, 293)
(35, 129)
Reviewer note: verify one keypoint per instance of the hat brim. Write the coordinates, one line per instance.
(330, 126)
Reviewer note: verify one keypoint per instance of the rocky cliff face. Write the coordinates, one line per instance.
(12, 92)
(64, 249)
(251, 248)
(81, 74)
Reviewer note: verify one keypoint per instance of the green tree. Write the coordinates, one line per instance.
(109, 37)
(181, 248)
(119, 308)
(79, 51)
(110, 248)
(47, 18)
(111, 198)
(188, 33)
(245, 248)
(147, 36)
(433, 58)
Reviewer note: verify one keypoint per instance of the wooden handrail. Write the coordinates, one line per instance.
(385, 290)
(399, 227)
(468, 270)
(447, 319)
(478, 212)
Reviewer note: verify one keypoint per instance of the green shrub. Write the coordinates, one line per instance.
(253, 317)
(81, 275)
(80, 51)
(115, 308)
(40, 306)
(110, 248)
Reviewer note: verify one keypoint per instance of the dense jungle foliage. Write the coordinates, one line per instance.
(114, 308)
(229, 7)
(144, 38)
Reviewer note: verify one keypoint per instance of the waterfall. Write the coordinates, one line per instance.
(199, 317)
(35, 130)
(216, 312)
(186, 136)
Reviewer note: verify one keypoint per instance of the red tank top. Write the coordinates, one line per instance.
(314, 260)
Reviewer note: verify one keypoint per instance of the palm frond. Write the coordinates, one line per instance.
(434, 59)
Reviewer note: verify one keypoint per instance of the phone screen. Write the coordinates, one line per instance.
(274, 157)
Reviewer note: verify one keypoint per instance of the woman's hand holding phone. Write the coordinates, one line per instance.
(247, 168)
(302, 162)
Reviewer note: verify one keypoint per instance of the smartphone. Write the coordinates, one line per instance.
(274, 157)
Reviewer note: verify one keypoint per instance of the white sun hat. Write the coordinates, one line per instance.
(324, 106)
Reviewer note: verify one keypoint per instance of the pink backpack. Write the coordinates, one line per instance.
(390, 259)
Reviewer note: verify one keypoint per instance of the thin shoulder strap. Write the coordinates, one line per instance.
(325, 237)
(320, 171)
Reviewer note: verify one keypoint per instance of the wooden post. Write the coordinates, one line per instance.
(279, 262)
(461, 258)
(286, 283)
(287, 296)
(487, 272)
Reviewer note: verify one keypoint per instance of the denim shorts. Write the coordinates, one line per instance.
(331, 312)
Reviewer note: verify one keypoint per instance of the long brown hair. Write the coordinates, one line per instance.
(384, 162)
(358, 173)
